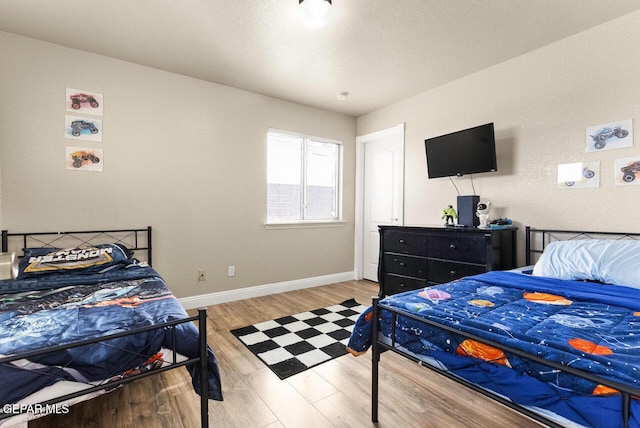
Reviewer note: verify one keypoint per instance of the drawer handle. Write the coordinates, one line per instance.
(402, 241)
(402, 285)
(403, 264)
(452, 246)
(453, 273)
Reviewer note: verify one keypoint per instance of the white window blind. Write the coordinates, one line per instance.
(303, 178)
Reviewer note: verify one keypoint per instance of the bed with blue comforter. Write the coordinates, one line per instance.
(63, 296)
(567, 349)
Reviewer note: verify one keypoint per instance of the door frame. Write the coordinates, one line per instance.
(397, 131)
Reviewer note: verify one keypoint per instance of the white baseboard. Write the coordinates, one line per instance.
(263, 290)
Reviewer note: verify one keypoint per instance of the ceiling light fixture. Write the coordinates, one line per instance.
(315, 13)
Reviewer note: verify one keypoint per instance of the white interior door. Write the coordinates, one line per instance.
(382, 191)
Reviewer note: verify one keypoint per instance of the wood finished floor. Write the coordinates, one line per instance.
(334, 394)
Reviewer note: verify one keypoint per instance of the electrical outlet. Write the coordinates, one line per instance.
(231, 271)
(202, 275)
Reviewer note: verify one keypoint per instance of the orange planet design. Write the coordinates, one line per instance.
(546, 299)
(605, 390)
(589, 347)
(484, 352)
(637, 314)
(481, 303)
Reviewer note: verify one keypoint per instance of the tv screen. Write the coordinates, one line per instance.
(470, 151)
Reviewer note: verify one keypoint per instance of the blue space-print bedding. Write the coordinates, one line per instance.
(62, 308)
(588, 326)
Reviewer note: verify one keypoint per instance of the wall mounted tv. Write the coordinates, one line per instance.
(470, 151)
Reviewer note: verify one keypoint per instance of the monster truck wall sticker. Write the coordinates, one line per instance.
(627, 171)
(79, 98)
(614, 135)
(83, 128)
(579, 175)
(84, 159)
(86, 102)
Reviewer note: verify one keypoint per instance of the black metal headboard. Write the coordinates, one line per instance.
(538, 239)
(137, 240)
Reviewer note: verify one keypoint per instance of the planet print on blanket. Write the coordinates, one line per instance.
(481, 303)
(547, 299)
(605, 390)
(590, 347)
(434, 295)
(473, 348)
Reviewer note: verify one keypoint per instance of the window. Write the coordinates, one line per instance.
(303, 178)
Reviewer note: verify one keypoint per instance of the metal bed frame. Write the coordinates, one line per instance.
(136, 240)
(536, 240)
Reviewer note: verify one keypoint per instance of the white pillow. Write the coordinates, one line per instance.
(604, 260)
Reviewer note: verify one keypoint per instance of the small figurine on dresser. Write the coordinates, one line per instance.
(449, 214)
(482, 211)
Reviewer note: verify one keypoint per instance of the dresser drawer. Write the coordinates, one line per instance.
(404, 243)
(405, 265)
(442, 271)
(469, 249)
(394, 284)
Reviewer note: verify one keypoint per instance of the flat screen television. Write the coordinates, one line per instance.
(470, 151)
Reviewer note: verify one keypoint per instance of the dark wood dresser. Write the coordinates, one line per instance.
(417, 257)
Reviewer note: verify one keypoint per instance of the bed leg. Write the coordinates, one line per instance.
(626, 409)
(149, 247)
(375, 359)
(5, 241)
(204, 378)
(527, 246)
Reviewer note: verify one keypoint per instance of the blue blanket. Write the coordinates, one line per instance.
(587, 326)
(76, 307)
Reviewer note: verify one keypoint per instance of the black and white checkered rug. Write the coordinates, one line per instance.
(295, 343)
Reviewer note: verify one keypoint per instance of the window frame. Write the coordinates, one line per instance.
(275, 223)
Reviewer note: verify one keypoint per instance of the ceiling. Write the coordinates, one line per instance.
(380, 51)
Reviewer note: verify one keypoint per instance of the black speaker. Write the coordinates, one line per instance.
(467, 206)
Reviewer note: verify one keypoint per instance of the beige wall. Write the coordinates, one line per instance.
(182, 155)
(188, 156)
(541, 104)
